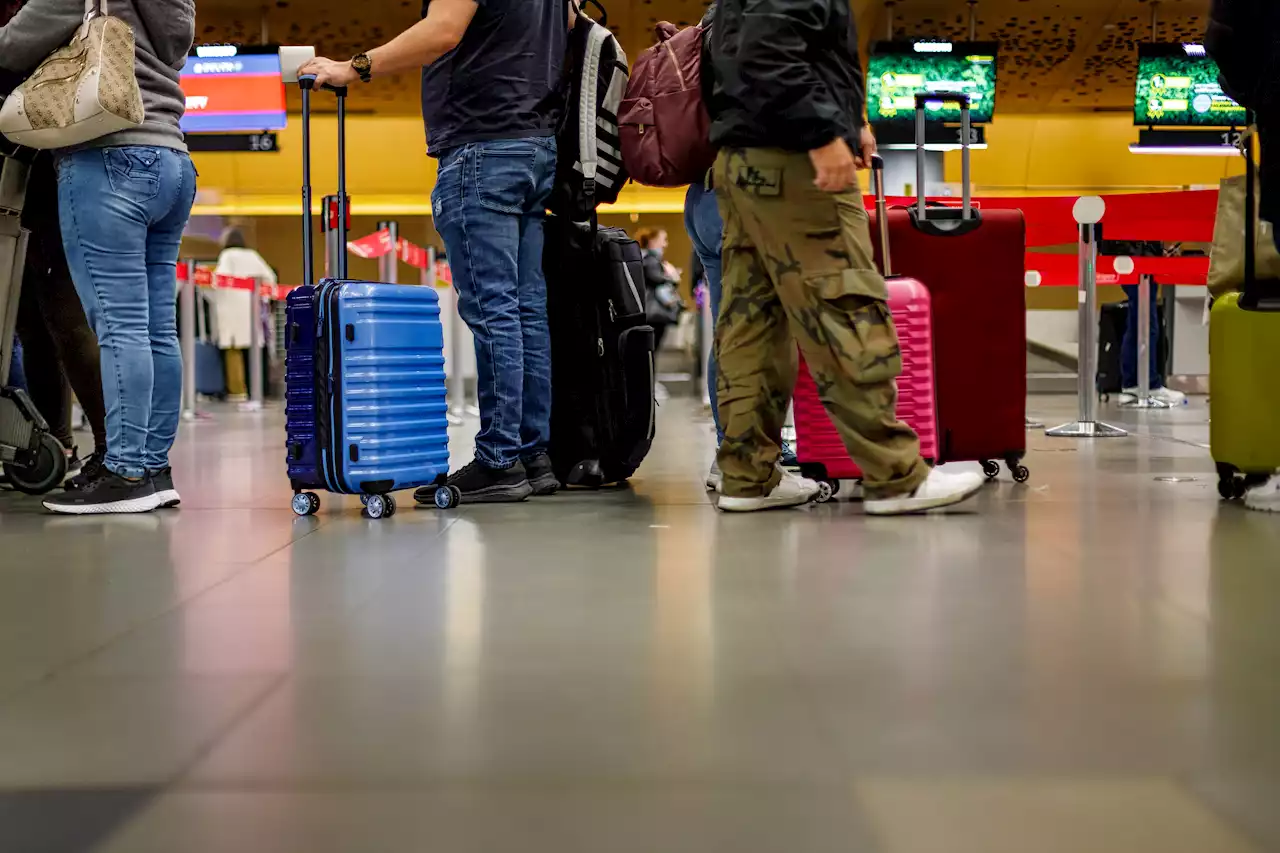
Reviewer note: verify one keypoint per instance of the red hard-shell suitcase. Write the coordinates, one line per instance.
(821, 453)
(974, 265)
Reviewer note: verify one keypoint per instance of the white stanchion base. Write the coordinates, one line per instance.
(1086, 429)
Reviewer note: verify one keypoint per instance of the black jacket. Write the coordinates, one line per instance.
(787, 74)
(1244, 39)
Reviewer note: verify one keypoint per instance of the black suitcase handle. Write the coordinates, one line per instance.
(307, 83)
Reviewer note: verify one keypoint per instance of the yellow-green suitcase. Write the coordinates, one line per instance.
(1244, 373)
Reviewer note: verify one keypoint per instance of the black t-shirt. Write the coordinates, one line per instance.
(503, 80)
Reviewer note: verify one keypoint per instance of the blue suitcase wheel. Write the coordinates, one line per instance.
(448, 497)
(305, 503)
(376, 507)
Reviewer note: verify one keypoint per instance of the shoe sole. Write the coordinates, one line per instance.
(730, 504)
(132, 506)
(917, 506)
(545, 485)
(499, 494)
(167, 499)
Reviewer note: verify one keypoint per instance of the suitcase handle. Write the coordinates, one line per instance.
(307, 83)
(882, 212)
(966, 125)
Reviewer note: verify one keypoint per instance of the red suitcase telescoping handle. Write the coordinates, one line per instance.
(944, 219)
(882, 212)
(307, 84)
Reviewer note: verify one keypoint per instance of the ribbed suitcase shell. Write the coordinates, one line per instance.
(977, 286)
(818, 445)
(380, 387)
(1244, 415)
(300, 389)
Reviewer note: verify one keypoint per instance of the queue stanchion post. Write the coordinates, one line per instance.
(1033, 278)
(1088, 212)
(254, 403)
(187, 336)
(389, 264)
(453, 368)
(1144, 399)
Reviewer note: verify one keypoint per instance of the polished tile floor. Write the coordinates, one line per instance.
(1090, 662)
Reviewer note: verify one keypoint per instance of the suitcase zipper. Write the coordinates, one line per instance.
(635, 294)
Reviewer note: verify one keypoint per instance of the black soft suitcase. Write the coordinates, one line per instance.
(603, 409)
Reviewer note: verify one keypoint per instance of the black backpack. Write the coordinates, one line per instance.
(590, 170)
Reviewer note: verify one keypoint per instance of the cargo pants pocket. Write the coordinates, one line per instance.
(857, 327)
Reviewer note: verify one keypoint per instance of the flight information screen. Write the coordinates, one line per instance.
(1178, 87)
(897, 71)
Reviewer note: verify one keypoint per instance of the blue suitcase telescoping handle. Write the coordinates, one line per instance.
(307, 83)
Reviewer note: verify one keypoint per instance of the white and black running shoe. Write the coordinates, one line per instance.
(106, 494)
(166, 495)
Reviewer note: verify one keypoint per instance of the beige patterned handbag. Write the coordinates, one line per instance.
(82, 92)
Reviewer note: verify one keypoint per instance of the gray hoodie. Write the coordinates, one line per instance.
(163, 30)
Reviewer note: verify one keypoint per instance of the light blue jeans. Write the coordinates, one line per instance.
(490, 203)
(123, 211)
(706, 230)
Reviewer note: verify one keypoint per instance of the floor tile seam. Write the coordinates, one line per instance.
(70, 665)
(545, 783)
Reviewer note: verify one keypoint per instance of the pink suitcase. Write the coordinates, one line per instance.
(821, 453)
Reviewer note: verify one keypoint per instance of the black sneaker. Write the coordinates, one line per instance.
(107, 493)
(541, 477)
(89, 470)
(480, 484)
(166, 495)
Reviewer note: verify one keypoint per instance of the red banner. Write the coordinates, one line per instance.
(1173, 217)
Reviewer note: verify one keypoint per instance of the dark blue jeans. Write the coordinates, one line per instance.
(490, 204)
(706, 230)
(123, 211)
(1129, 347)
(17, 377)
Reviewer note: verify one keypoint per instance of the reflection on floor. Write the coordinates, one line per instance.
(1087, 664)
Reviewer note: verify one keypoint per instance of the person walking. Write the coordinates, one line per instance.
(787, 114)
(491, 101)
(124, 201)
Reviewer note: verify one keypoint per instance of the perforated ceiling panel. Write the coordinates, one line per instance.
(1056, 55)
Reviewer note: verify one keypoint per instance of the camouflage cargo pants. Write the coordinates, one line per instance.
(798, 268)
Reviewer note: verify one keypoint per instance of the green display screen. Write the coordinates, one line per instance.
(897, 71)
(1178, 87)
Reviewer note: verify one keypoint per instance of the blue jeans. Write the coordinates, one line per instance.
(17, 377)
(706, 230)
(490, 203)
(1129, 346)
(123, 214)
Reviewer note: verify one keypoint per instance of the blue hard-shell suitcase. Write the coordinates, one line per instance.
(300, 389)
(380, 387)
(365, 406)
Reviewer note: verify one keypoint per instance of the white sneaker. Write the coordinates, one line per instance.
(792, 490)
(715, 479)
(1264, 498)
(940, 490)
(1164, 395)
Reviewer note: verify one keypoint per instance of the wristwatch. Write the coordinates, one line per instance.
(362, 65)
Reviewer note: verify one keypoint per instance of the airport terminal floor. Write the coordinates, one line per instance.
(1084, 663)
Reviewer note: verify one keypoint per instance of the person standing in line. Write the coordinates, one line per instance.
(232, 312)
(61, 349)
(706, 230)
(787, 114)
(491, 100)
(124, 201)
(1244, 39)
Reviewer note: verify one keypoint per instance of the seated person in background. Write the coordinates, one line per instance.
(232, 307)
